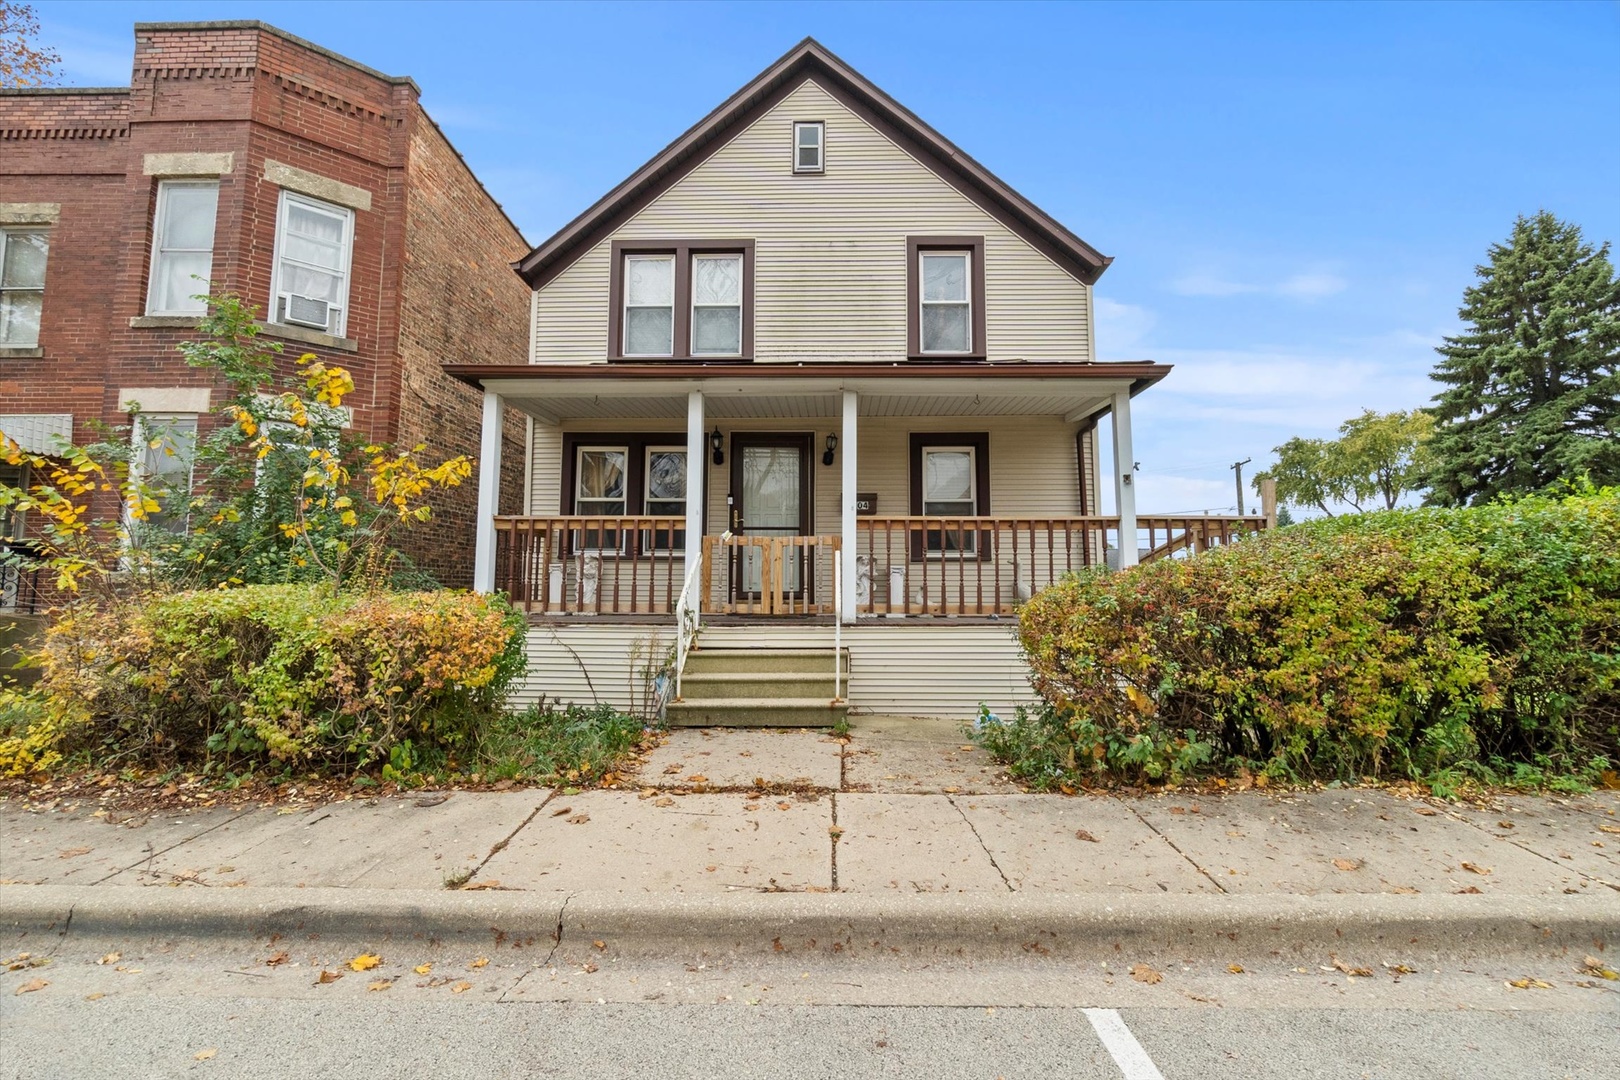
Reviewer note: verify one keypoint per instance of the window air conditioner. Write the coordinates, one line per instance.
(306, 311)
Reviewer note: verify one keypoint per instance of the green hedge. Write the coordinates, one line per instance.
(278, 675)
(1416, 643)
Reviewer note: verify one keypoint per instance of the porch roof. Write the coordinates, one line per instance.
(553, 392)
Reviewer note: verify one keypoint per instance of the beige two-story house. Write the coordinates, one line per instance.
(812, 401)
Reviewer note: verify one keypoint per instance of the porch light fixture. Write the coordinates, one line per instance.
(717, 444)
(832, 445)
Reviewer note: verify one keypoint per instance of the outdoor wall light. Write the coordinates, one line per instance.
(717, 444)
(832, 445)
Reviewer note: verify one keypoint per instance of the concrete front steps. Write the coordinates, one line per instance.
(759, 688)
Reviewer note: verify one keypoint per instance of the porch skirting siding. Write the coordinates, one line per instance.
(913, 669)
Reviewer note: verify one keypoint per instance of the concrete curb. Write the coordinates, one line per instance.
(964, 926)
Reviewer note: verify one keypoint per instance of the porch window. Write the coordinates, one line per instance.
(649, 305)
(716, 305)
(600, 486)
(950, 477)
(945, 291)
(22, 286)
(182, 247)
(665, 496)
(681, 300)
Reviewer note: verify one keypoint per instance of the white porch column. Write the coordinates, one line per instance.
(1124, 479)
(847, 443)
(489, 494)
(697, 467)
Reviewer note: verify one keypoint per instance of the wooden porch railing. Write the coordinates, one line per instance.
(905, 566)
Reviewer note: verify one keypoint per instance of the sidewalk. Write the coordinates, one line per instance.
(868, 823)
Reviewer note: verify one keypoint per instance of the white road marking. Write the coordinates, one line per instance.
(1133, 1061)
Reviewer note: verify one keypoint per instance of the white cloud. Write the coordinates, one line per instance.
(1311, 286)
(1121, 328)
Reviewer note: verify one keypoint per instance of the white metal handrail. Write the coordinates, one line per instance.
(688, 622)
(838, 626)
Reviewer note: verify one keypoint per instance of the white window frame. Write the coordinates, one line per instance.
(141, 437)
(742, 277)
(923, 304)
(820, 128)
(5, 238)
(159, 221)
(579, 538)
(970, 538)
(674, 298)
(288, 197)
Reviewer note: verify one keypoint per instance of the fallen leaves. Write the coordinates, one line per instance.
(26, 960)
(1081, 834)
(97, 996)
(422, 969)
(30, 986)
(665, 801)
(204, 1055)
(1403, 890)
(1236, 969)
(461, 987)
(481, 886)
(784, 806)
(1593, 966)
(380, 984)
(1349, 969)
(277, 959)
(1609, 829)
(598, 944)
(579, 819)
(73, 852)
(1475, 868)
(1347, 864)
(110, 958)
(697, 778)
(364, 962)
(482, 961)
(560, 811)
(1426, 811)
(1142, 973)
(328, 977)
(1528, 983)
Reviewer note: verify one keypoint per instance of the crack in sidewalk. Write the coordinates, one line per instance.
(1172, 843)
(557, 942)
(500, 845)
(1547, 858)
(974, 829)
(152, 852)
(835, 834)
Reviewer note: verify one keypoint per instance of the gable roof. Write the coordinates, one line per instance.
(811, 60)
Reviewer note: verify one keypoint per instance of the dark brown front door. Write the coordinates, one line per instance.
(770, 496)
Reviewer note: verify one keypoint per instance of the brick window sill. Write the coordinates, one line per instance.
(21, 350)
(307, 337)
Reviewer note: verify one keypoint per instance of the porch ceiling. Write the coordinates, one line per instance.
(805, 406)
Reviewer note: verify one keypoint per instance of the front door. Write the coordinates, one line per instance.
(770, 495)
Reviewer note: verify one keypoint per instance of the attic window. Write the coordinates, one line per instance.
(808, 145)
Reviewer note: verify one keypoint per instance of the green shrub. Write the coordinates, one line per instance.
(279, 675)
(558, 744)
(1407, 643)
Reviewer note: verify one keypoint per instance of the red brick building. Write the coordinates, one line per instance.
(312, 185)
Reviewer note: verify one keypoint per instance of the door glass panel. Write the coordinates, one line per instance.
(772, 500)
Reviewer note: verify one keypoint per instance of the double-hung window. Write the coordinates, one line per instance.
(685, 300)
(182, 247)
(947, 310)
(165, 456)
(809, 137)
(314, 241)
(950, 478)
(601, 485)
(22, 285)
(665, 496)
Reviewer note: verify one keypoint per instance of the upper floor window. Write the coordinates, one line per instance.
(182, 247)
(946, 292)
(809, 137)
(22, 285)
(314, 241)
(681, 300)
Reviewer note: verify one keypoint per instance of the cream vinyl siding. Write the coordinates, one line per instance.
(830, 273)
(908, 669)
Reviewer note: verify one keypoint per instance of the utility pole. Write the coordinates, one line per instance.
(1237, 467)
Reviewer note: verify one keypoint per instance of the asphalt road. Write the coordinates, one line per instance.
(166, 1009)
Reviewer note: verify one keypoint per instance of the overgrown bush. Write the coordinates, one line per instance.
(277, 676)
(1415, 643)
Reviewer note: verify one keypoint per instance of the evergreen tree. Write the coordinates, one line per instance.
(1531, 392)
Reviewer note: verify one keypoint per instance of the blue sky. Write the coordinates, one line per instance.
(1295, 195)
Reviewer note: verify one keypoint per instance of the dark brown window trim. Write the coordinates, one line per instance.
(980, 441)
(682, 250)
(793, 142)
(915, 246)
(635, 469)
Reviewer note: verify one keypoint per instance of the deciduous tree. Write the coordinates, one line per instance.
(23, 62)
(1378, 459)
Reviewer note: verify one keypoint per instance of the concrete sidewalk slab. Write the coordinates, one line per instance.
(912, 844)
(1087, 844)
(674, 843)
(1554, 830)
(910, 754)
(60, 847)
(381, 843)
(1290, 844)
(736, 757)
